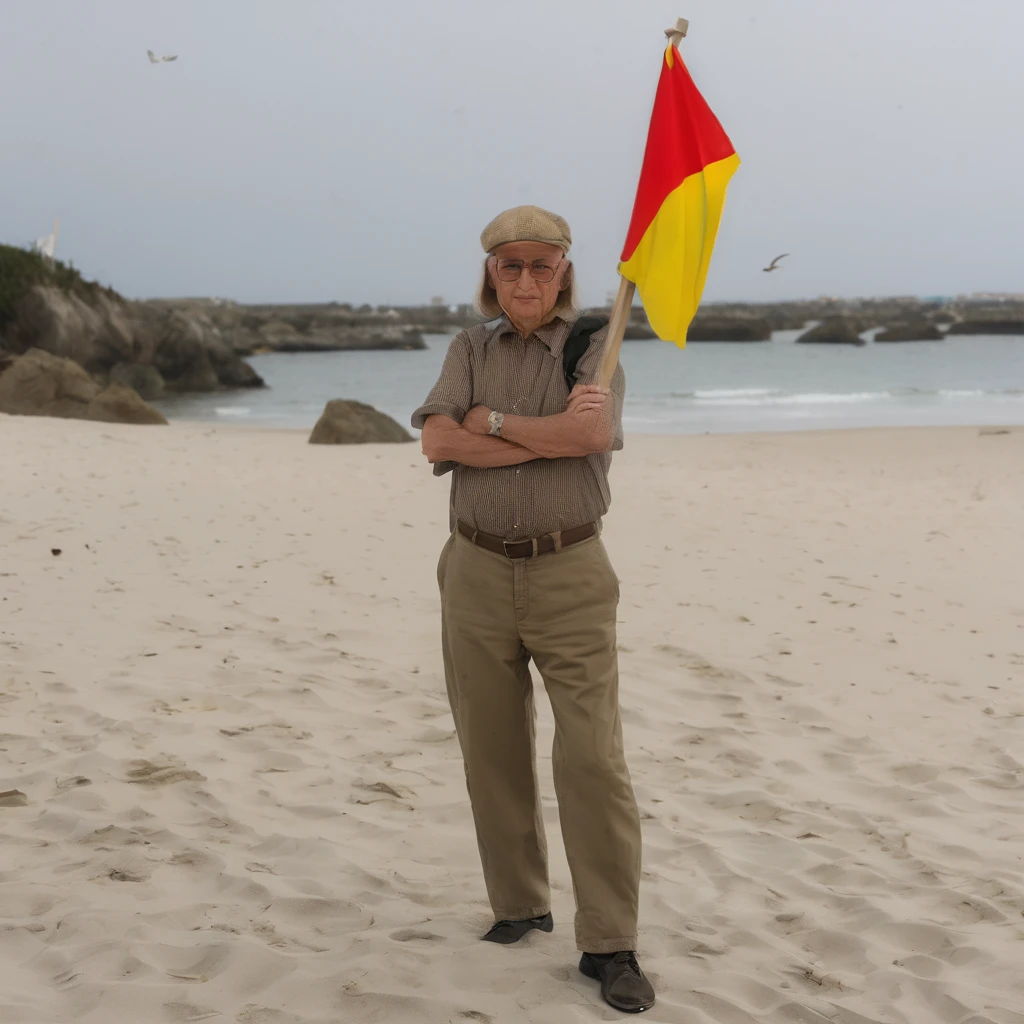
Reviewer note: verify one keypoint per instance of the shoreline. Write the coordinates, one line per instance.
(249, 430)
(775, 386)
(226, 424)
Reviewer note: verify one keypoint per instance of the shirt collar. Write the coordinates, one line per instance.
(552, 333)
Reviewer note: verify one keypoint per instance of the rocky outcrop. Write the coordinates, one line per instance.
(278, 337)
(836, 330)
(988, 327)
(146, 380)
(95, 334)
(233, 371)
(40, 384)
(638, 327)
(710, 327)
(638, 332)
(913, 331)
(328, 327)
(706, 328)
(51, 308)
(345, 422)
(119, 404)
(190, 351)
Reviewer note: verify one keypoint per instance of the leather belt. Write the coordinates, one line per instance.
(530, 547)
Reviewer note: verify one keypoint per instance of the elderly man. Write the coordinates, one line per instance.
(525, 576)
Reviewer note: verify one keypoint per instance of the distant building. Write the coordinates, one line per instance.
(438, 300)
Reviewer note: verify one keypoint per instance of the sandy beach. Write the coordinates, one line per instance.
(238, 795)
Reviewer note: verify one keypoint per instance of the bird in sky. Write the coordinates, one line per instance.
(774, 265)
(154, 59)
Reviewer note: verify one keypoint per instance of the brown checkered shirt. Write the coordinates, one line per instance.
(492, 365)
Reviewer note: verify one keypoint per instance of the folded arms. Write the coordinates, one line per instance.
(585, 428)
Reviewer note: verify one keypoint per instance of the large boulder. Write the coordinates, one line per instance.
(917, 330)
(117, 403)
(836, 330)
(181, 357)
(706, 328)
(234, 372)
(40, 384)
(95, 334)
(191, 354)
(146, 380)
(345, 422)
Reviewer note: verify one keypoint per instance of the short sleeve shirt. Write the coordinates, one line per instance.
(493, 365)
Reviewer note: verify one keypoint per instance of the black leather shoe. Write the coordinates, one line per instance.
(507, 932)
(623, 984)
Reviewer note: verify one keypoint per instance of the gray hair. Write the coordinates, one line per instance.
(567, 306)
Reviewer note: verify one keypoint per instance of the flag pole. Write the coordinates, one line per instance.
(624, 297)
(616, 329)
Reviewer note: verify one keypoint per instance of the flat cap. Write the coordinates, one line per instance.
(526, 224)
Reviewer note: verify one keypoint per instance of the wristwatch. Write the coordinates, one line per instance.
(495, 419)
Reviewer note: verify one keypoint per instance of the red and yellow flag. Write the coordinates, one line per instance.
(687, 166)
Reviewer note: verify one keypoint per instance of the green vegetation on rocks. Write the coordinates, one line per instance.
(21, 270)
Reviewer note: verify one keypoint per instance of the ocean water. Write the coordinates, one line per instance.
(704, 388)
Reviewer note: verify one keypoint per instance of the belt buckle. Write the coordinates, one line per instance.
(531, 542)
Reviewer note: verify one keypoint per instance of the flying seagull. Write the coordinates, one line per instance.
(774, 265)
(154, 59)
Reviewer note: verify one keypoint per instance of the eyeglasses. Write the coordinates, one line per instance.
(542, 271)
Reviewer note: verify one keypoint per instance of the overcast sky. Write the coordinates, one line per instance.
(333, 149)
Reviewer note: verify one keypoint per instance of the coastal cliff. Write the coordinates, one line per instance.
(53, 309)
(180, 345)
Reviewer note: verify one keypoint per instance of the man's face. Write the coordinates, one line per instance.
(527, 300)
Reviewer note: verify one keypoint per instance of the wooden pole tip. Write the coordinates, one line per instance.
(678, 33)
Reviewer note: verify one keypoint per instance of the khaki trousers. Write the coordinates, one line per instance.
(558, 609)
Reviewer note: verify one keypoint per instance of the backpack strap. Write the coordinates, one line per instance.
(577, 344)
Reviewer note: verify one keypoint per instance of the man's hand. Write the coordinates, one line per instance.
(475, 421)
(584, 428)
(586, 397)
